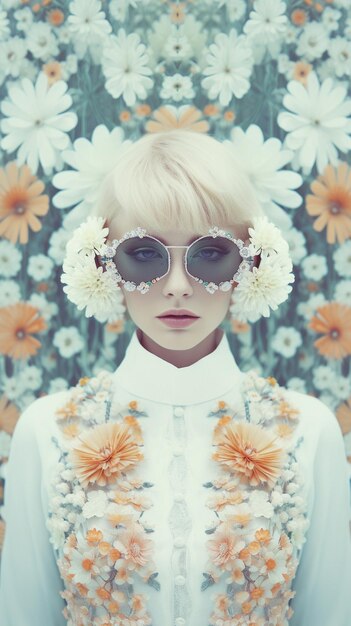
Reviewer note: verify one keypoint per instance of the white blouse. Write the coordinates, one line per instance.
(179, 408)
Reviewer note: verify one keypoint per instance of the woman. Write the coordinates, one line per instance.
(177, 490)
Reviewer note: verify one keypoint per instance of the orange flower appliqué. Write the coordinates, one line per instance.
(251, 451)
(106, 451)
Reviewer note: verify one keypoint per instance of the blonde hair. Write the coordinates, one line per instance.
(179, 179)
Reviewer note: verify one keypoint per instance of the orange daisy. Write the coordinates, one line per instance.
(21, 200)
(53, 71)
(343, 413)
(189, 119)
(17, 324)
(334, 321)
(331, 201)
(301, 71)
(249, 450)
(9, 415)
(106, 451)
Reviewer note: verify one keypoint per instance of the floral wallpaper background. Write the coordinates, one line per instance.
(80, 78)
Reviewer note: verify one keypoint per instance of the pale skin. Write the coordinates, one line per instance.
(181, 346)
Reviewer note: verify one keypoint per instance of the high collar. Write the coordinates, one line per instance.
(146, 375)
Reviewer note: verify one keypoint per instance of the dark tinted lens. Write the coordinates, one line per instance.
(141, 259)
(213, 259)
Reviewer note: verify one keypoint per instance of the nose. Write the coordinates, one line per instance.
(177, 281)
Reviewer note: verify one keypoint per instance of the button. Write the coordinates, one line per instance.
(177, 451)
(179, 580)
(180, 621)
(178, 411)
(179, 497)
(179, 542)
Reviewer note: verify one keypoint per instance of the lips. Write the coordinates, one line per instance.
(181, 313)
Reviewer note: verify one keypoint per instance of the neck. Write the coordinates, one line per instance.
(182, 358)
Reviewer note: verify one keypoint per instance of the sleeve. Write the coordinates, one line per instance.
(30, 581)
(323, 578)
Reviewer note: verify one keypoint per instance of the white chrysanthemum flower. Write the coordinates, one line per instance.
(89, 286)
(68, 341)
(266, 237)
(10, 259)
(341, 257)
(87, 21)
(229, 67)
(273, 185)
(88, 238)
(286, 340)
(262, 288)
(37, 122)
(317, 124)
(91, 162)
(315, 267)
(124, 64)
(267, 21)
(10, 292)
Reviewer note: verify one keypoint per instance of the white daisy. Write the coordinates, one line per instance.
(308, 309)
(341, 387)
(339, 51)
(68, 341)
(24, 18)
(297, 384)
(57, 245)
(342, 292)
(229, 67)
(37, 122)
(4, 25)
(91, 162)
(323, 377)
(312, 42)
(286, 340)
(267, 21)
(296, 241)
(315, 267)
(40, 267)
(317, 124)
(330, 19)
(42, 42)
(341, 257)
(124, 64)
(10, 259)
(12, 55)
(10, 292)
(31, 377)
(87, 21)
(273, 185)
(235, 9)
(177, 87)
(47, 309)
(57, 384)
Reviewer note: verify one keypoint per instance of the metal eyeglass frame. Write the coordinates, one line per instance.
(108, 251)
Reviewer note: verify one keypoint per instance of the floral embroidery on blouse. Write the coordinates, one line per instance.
(96, 477)
(260, 520)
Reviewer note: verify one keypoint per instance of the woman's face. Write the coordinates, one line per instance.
(176, 290)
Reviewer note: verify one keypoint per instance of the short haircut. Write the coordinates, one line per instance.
(179, 179)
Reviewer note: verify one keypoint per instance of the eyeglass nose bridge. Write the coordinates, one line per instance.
(185, 260)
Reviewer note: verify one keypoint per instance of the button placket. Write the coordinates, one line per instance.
(179, 518)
